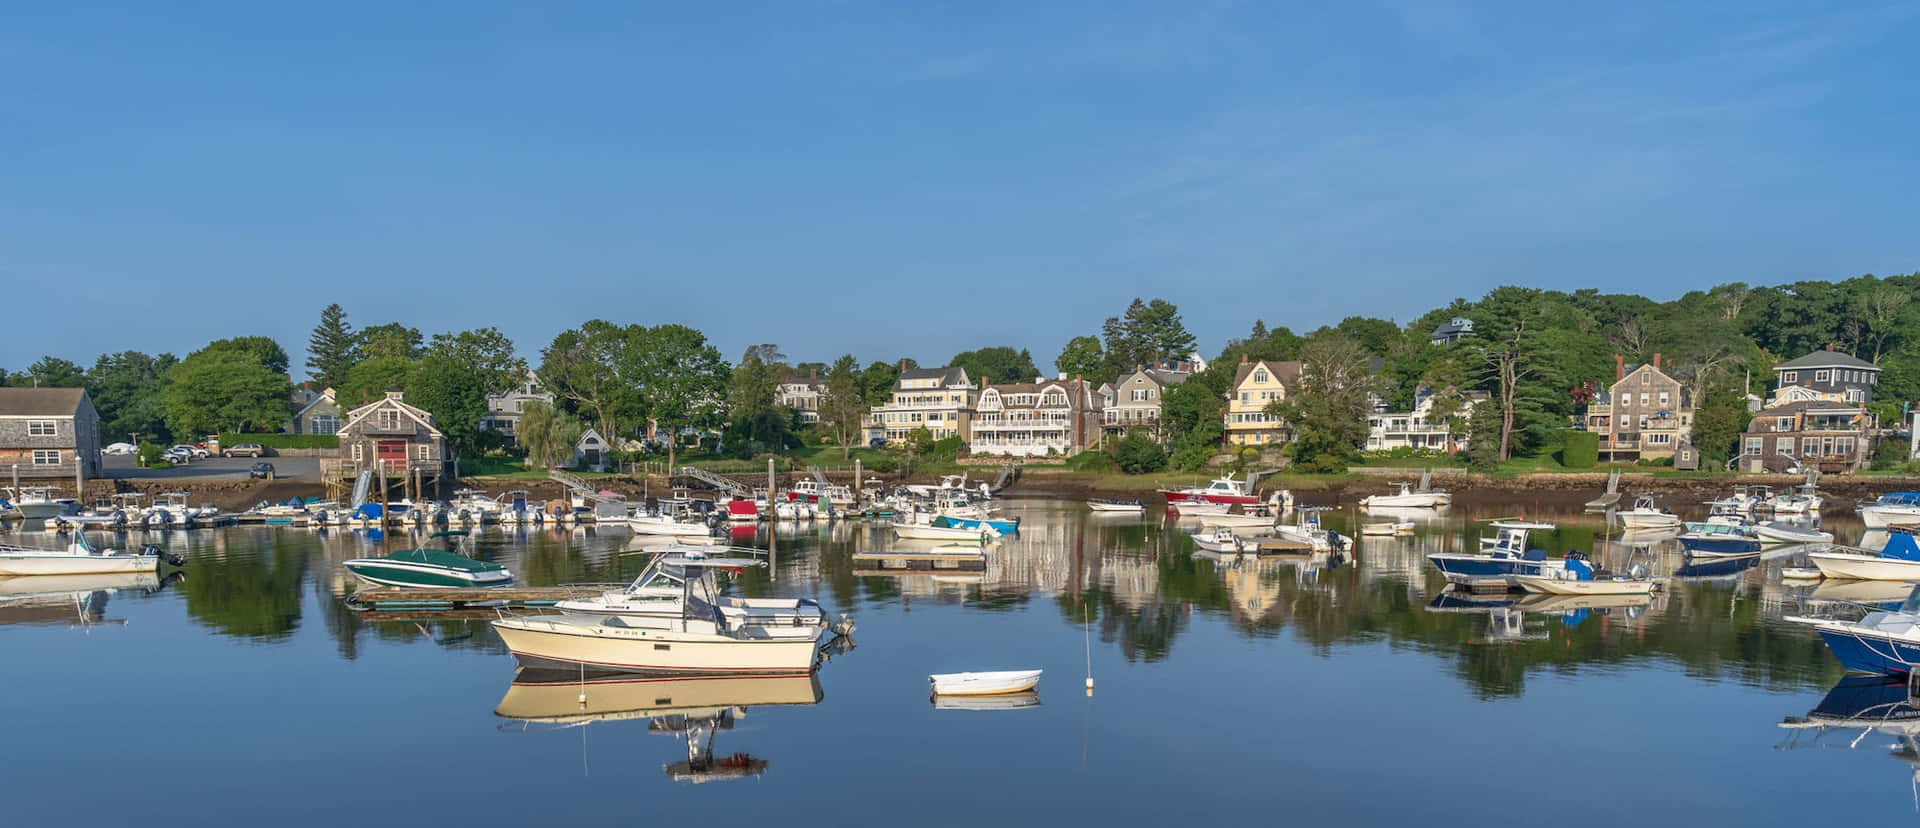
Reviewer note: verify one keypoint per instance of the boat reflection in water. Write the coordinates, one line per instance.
(1507, 612)
(1004, 701)
(694, 708)
(71, 599)
(1859, 707)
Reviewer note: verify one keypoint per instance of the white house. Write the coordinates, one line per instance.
(503, 410)
(590, 451)
(1419, 429)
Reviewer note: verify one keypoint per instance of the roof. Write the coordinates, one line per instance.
(1827, 359)
(951, 375)
(39, 402)
(419, 415)
(1285, 372)
(1456, 325)
(1074, 389)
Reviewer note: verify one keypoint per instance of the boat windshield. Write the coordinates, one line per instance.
(1911, 606)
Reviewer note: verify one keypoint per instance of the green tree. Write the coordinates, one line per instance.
(1483, 437)
(547, 433)
(126, 388)
(54, 372)
(683, 380)
(1146, 332)
(1279, 344)
(917, 443)
(998, 364)
(392, 340)
(332, 349)
(752, 396)
(1082, 357)
(587, 368)
(877, 379)
(258, 350)
(485, 355)
(1328, 404)
(1138, 453)
(1717, 425)
(210, 395)
(371, 378)
(843, 405)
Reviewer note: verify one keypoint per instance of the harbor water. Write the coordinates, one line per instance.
(1326, 690)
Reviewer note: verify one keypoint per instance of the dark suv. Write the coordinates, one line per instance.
(263, 471)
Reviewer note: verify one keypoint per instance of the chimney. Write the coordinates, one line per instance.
(1619, 367)
(813, 373)
(903, 363)
(1829, 347)
(1656, 360)
(1243, 359)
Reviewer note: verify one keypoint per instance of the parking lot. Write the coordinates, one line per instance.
(213, 468)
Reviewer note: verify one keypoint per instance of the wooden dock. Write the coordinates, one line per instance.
(389, 599)
(1280, 546)
(920, 561)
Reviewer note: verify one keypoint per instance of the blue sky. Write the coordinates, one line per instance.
(917, 179)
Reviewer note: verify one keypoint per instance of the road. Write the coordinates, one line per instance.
(213, 468)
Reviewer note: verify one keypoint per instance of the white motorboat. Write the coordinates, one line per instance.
(1200, 508)
(1892, 509)
(922, 531)
(1744, 499)
(666, 526)
(1899, 561)
(1307, 530)
(659, 589)
(984, 684)
(1576, 576)
(1881, 642)
(699, 638)
(1134, 507)
(1804, 499)
(80, 558)
(1776, 531)
(38, 502)
(1257, 519)
(1219, 540)
(1646, 514)
(1408, 498)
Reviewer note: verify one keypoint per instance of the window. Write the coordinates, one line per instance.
(1643, 398)
(1855, 395)
(420, 451)
(1646, 379)
(356, 453)
(325, 424)
(1843, 446)
(1246, 398)
(1783, 445)
(1789, 377)
(1663, 398)
(1783, 424)
(1753, 445)
(43, 428)
(1821, 376)
(1809, 446)
(1260, 375)
(46, 457)
(1659, 439)
(389, 418)
(1139, 395)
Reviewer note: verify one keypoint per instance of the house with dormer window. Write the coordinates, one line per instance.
(940, 400)
(1826, 376)
(390, 436)
(1032, 419)
(1256, 385)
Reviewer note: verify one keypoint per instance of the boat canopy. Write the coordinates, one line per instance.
(1901, 547)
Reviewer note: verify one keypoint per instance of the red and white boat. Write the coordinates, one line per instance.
(1221, 490)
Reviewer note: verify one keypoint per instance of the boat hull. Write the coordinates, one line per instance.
(1463, 569)
(1720, 545)
(1408, 501)
(1866, 651)
(379, 572)
(1643, 520)
(1779, 534)
(1218, 499)
(540, 645)
(1133, 508)
(33, 564)
(1864, 567)
(1881, 517)
(984, 684)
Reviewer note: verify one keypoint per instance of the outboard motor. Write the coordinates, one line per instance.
(172, 559)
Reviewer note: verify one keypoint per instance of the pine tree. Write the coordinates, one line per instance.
(333, 349)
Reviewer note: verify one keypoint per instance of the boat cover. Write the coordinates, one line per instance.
(440, 557)
(1901, 547)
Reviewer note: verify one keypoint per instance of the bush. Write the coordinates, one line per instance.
(1137, 453)
(1654, 461)
(884, 464)
(150, 456)
(1580, 450)
(283, 441)
(946, 447)
(1889, 455)
(1090, 461)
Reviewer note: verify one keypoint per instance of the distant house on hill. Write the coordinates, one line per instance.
(1453, 330)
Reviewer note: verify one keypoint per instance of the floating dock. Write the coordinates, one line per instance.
(1280, 546)
(387, 599)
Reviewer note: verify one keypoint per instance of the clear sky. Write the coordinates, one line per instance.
(917, 179)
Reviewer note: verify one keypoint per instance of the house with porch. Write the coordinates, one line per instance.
(503, 410)
(1256, 385)
(1420, 428)
(1809, 435)
(1134, 401)
(1033, 419)
(390, 436)
(314, 412)
(1644, 415)
(49, 434)
(1827, 376)
(802, 395)
(941, 400)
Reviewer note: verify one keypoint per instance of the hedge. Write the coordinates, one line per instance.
(1581, 450)
(283, 441)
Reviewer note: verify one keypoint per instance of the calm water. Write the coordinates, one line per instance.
(1333, 692)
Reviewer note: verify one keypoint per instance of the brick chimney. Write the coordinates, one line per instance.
(1243, 359)
(1619, 367)
(1656, 360)
(903, 363)
(813, 373)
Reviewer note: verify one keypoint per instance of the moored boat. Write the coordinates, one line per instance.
(1898, 561)
(1883, 642)
(1409, 499)
(1776, 531)
(990, 683)
(1711, 539)
(1123, 506)
(1892, 509)
(1647, 514)
(1504, 555)
(430, 568)
(1223, 490)
(80, 558)
(1219, 540)
(1578, 577)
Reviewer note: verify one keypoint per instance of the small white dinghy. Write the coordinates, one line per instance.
(1776, 531)
(984, 684)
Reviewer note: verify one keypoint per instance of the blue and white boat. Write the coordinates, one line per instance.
(1885, 642)
(1899, 560)
(1504, 555)
(1719, 539)
(1005, 526)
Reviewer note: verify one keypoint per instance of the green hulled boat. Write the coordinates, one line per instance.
(430, 568)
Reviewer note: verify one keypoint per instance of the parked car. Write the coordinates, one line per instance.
(877, 442)
(253, 450)
(178, 454)
(194, 452)
(119, 448)
(263, 471)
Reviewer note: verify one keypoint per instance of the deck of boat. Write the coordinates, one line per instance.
(413, 598)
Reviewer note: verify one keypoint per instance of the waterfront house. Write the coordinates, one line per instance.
(1033, 419)
(503, 410)
(1419, 429)
(1807, 435)
(314, 412)
(1256, 385)
(49, 433)
(941, 400)
(1644, 415)
(391, 436)
(802, 395)
(590, 451)
(1134, 401)
(1452, 331)
(1827, 376)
